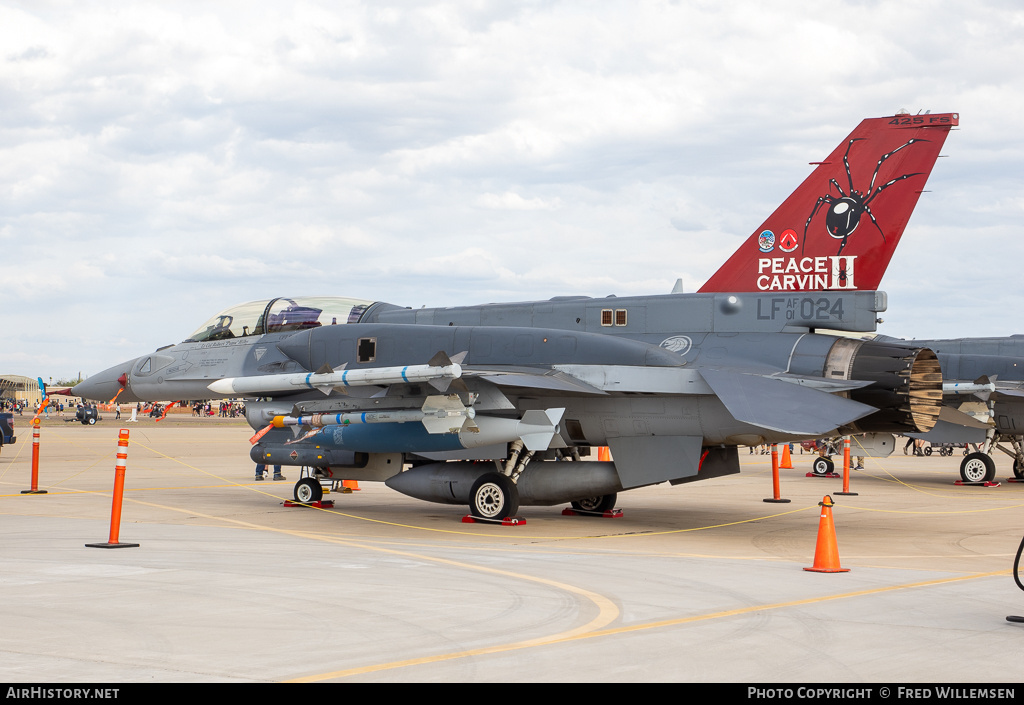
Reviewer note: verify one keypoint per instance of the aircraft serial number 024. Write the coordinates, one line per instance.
(796, 308)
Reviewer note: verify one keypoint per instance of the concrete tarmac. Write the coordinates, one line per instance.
(701, 582)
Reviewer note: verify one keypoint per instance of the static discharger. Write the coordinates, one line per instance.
(115, 510)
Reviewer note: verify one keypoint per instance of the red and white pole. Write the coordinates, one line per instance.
(35, 460)
(115, 511)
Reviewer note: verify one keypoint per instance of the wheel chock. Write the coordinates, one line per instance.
(1014, 479)
(609, 514)
(831, 474)
(319, 504)
(976, 484)
(507, 521)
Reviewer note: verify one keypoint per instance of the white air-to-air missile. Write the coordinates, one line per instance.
(439, 414)
(438, 372)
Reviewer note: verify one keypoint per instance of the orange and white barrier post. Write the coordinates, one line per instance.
(115, 511)
(846, 468)
(35, 460)
(775, 476)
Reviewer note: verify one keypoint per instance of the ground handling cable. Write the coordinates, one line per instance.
(1016, 579)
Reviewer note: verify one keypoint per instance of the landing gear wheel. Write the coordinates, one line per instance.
(599, 504)
(823, 467)
(308, 490)
(1018, 471)
(978, 467)
(493, 496)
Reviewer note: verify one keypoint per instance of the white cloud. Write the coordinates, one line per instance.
(170, 160)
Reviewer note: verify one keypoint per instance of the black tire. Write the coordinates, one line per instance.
(599, 504)
(493, 496)
(308, 490)
(928, 450)
(91, 421)
(823, 467)
(1018, 471)
(978, 467)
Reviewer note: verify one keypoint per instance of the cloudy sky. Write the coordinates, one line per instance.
(162, 161)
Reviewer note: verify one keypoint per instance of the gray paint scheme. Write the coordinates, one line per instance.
(685, 373)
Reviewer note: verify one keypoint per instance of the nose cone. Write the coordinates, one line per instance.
(103, 386)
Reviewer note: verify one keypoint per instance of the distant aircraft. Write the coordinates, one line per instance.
(984, 380)
(491, 405)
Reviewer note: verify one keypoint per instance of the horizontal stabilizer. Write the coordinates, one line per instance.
(781, 406)
(954, 416)
(945, 432)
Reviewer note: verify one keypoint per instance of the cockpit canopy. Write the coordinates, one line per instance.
(280, 315)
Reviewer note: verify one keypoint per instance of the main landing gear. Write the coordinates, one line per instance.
(823, 467)
(308, 490)
(493, 496)
(978, 467)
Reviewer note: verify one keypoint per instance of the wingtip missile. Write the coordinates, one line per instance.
(328, 381)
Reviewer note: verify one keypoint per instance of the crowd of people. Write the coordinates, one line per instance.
(224, 409)
(13, 406)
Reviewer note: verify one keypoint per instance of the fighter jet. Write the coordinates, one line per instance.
(493, 406)
(985, 385)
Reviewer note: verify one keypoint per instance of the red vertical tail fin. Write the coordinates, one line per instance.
(839, 229)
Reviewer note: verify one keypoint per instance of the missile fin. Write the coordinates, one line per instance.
(441, 384)
(545, 425)
(440, 359)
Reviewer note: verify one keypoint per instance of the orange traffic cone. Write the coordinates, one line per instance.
(826, 553)
(604, 453)
(787, 461)
(351, 484)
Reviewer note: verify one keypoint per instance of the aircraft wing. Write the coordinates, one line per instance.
(782, 406)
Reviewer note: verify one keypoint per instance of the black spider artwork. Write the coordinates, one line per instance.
(845, 210)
